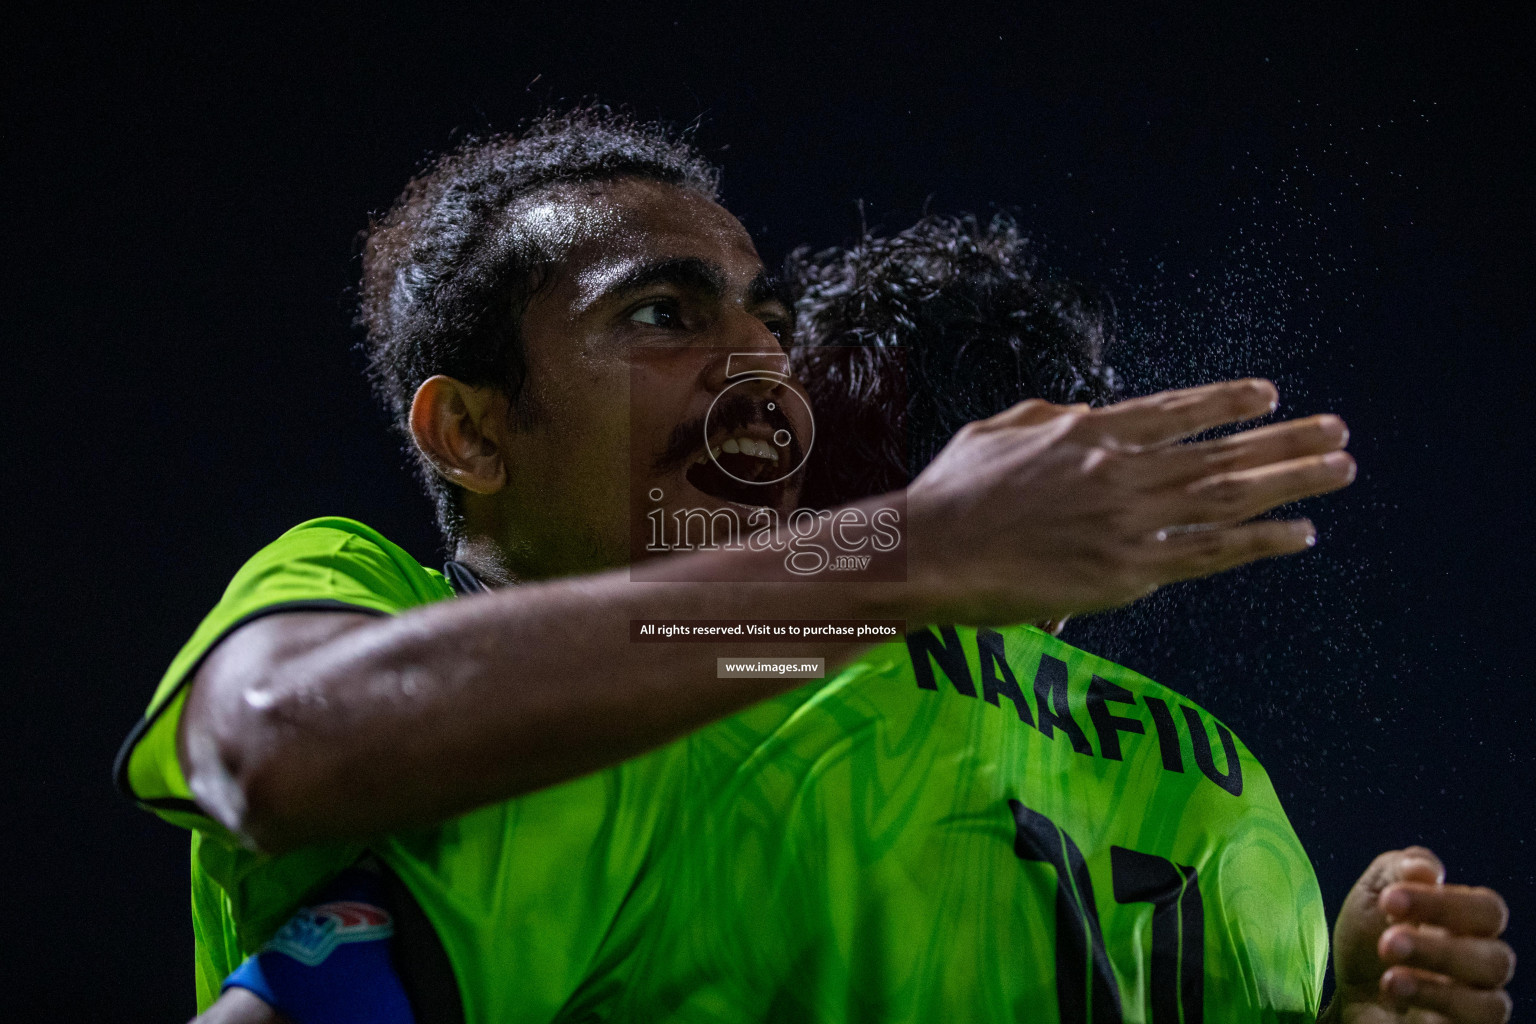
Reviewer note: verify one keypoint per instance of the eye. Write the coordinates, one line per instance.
(657, 314)
(779, 327)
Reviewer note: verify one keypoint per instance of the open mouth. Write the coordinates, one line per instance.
(741, 468)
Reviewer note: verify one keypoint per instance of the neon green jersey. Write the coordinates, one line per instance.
(980, 824)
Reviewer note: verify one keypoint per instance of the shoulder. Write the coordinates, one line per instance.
(334, 559)
(332, 564)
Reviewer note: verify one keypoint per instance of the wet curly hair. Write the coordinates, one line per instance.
(902, 340)
(447, 272)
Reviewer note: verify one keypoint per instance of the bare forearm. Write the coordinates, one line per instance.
(1036, 513)
(413, 719)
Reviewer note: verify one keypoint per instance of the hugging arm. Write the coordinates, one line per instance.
(310, 726)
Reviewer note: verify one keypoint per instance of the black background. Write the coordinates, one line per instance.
(1339, 200)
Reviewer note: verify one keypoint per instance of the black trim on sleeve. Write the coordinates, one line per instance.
(120, 764)
(463, 579)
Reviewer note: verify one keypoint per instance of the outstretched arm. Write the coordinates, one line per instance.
(309, 726)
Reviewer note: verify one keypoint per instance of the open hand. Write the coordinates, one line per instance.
(1046, 510)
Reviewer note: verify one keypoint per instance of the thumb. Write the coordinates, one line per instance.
(1362, 919)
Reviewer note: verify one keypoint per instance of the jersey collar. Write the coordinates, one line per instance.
(462, 579)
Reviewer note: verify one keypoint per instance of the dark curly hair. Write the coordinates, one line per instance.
(447, 273)
(901, 341)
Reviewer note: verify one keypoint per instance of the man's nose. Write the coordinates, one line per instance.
(747, 352)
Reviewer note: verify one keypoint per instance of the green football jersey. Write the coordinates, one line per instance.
(987, 824)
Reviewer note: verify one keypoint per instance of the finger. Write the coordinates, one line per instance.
(1462, 909)
(1173, 415)
(1417, 864)
(1478, 962)
(1183, 556)
(1279, 442)
(1408, 987)
(1234, 497)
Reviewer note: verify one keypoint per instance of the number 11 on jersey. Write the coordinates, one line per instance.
(1086, 990)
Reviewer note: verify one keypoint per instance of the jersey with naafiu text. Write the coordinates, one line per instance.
(987, 825)
(983, 824)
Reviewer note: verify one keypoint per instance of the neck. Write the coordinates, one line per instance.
(486, 560)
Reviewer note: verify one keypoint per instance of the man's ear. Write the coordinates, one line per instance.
(462, 430)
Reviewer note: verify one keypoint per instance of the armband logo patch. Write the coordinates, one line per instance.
(313, 933)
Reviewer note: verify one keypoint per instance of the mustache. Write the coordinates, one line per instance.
(731, 413)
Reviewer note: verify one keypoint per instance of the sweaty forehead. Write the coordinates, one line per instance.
(600, 232)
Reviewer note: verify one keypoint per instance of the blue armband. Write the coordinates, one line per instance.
(331, 962)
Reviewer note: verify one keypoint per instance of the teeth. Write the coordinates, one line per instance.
(742, 446)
